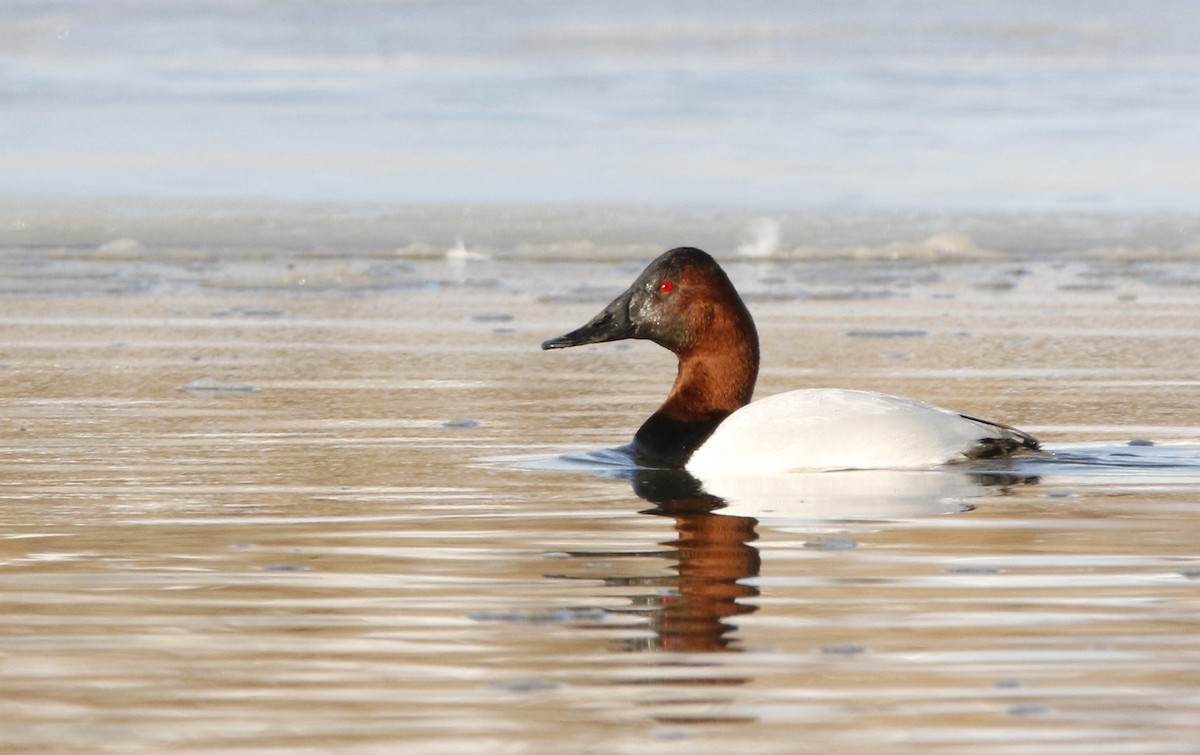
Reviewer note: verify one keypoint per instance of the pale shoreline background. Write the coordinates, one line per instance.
(1061, 105)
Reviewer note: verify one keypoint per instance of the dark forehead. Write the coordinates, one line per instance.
(683, 261)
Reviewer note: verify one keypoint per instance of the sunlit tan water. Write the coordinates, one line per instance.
(312, 500)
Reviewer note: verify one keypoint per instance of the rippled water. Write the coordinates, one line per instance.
(315, 498)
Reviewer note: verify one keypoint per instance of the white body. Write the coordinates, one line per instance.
(831, 428)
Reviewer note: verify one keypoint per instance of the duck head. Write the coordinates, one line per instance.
(679, 301)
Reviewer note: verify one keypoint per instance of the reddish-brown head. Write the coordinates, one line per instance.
(683, 301)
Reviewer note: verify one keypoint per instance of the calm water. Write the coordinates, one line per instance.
(307, 495)
(1058, 104)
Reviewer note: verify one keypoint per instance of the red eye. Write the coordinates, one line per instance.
(666, 287)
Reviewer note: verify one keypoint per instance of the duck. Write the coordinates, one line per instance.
(708, 424)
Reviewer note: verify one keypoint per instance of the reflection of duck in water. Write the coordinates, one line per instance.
(713, 548)
(684, 302)
(714, 555)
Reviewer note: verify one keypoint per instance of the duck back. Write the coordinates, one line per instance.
(829, 428)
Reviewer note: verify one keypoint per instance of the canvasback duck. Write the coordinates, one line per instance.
(686, 303)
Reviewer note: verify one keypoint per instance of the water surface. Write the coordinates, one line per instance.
(308, 495)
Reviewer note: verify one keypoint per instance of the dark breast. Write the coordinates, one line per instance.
(665, 442)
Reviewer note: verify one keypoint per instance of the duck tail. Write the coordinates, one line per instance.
(1006, 441)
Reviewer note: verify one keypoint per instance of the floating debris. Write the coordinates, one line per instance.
(525, 685)
(846, 649)
(972, 570)
(761, 238)
(460, 253)
(250, 312)
(207, 386)
(559, 616)
(831, 544)
(885, 333)
(121, 248)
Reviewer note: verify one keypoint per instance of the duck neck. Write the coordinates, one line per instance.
(716, 378)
